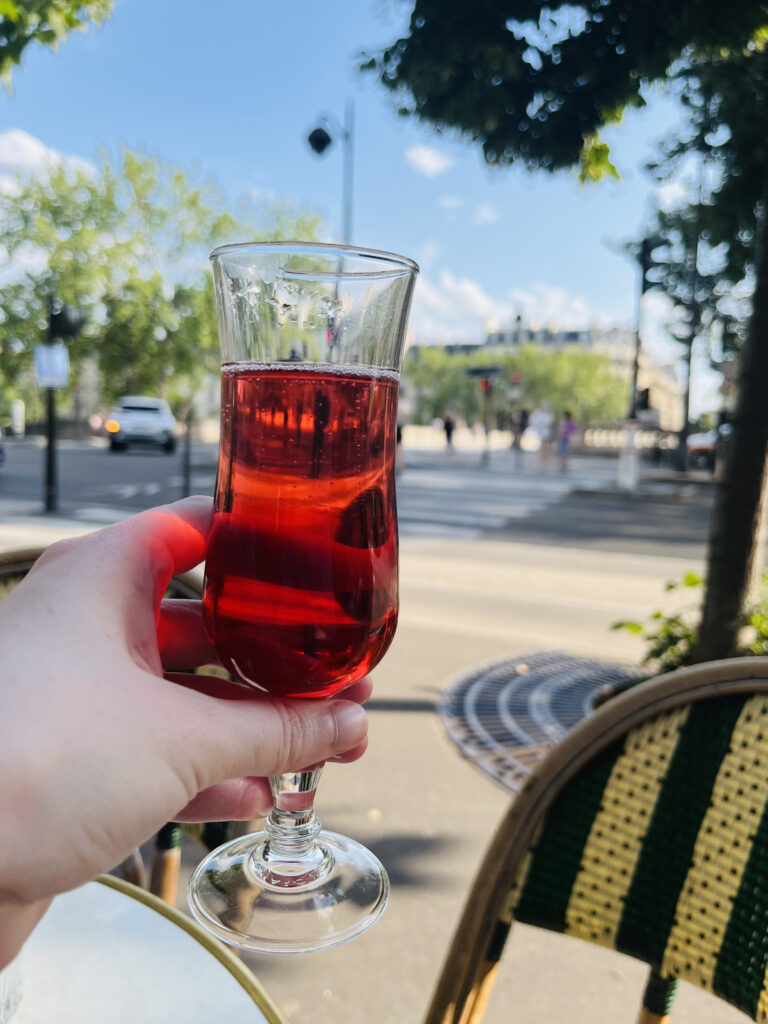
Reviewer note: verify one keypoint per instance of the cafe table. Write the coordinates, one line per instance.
(111, 953)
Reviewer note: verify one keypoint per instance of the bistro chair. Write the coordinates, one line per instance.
(165, 868)
(645, 831)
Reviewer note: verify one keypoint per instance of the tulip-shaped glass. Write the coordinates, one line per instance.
(301, 570)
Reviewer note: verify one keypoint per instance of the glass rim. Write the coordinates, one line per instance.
(394, 262)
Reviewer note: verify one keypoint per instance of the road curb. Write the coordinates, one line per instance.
(631, 497)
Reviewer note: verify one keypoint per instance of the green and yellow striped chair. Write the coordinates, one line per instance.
(646, 831)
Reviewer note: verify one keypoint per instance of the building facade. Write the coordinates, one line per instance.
(658, 384)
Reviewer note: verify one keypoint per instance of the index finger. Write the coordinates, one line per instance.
(147, 548)
(166, 540)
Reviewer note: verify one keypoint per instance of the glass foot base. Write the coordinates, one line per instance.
(341, 895)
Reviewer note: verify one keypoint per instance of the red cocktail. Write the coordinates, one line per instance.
(301, 569)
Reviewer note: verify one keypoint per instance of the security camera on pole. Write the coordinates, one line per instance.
(320, 139)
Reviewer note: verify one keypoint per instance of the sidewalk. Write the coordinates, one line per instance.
(425, 446)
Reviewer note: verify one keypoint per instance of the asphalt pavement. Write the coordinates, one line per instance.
(569, 557)
(464, 494)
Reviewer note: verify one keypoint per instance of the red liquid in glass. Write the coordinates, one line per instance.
(301, 570)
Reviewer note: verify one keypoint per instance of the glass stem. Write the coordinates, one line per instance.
(291, 857)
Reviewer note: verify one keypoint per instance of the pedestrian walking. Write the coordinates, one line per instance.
(542, 421)
(565, 432)
(449, 425)
(519, 427)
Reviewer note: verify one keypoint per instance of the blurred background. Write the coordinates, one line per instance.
(129, 150)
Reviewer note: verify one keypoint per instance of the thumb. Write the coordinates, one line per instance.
(210, 740)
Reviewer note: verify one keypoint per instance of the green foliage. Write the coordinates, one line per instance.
(582, 382)
(722, 145)
(43, 21)
(595, 161)
(671, 637)
(127, 245)
(535, 82)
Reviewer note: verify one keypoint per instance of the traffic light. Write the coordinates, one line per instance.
(647, 262)
(63, 321)
(644, 400)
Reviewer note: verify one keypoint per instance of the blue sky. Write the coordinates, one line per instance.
(233, 89)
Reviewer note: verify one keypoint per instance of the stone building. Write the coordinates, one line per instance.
(659, 384)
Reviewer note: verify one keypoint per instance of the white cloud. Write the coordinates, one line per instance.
(486, 213)
(450, 308)
(450, 202)
(428, 161)
(266, 195)
(8, 184)
(20, 151)
(545, 305)
(447, 308)
(23, 153)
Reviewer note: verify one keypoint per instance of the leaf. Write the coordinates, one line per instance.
(692, 579)
(10, 10)
(630, 627)
(595, 161)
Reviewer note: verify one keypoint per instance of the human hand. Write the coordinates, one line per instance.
(98, 746)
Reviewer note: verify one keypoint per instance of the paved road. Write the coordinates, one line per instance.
(439, 495)
(96, 484)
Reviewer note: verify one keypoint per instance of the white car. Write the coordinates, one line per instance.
(140, 420)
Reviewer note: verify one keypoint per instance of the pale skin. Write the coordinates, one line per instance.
(101, 743)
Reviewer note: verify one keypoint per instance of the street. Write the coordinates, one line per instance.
(440, 494)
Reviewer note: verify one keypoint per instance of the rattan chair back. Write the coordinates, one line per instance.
(645, 830)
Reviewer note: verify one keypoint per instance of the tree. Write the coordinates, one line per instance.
(43, 21)
(536, 83)
(126, 245)
(117, 245)
(706, 262)
(582, 382)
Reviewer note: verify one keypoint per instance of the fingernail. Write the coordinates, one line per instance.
(351, 724)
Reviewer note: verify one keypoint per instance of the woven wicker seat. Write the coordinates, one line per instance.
(164, 875)
(645, 830)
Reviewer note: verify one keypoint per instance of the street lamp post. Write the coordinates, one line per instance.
(320, 138)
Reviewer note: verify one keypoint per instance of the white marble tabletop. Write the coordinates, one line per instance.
(107, 955)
